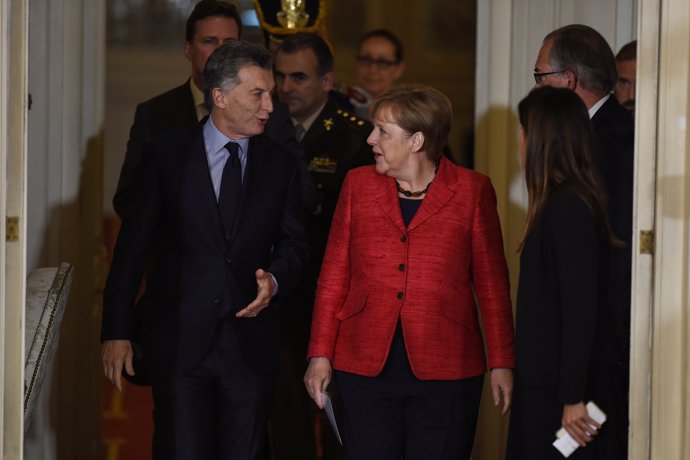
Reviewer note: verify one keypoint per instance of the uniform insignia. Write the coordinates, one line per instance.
(350, 118)
(328, 124)
(323, 164)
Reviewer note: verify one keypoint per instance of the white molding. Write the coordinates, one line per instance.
(670, 347)
(644, 219)
(13, 125)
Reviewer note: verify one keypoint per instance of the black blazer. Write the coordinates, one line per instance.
(614, 130)
(195, 275)
(558, 297)
(171, 111)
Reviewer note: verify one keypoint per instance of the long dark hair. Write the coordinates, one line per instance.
(560, 152)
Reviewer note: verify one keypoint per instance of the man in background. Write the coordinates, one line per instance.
(334, 141)
(211, 23)
(626, 66)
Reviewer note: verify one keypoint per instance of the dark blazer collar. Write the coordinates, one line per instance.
(440, 192)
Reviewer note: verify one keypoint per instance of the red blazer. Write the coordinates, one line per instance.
(376, 270)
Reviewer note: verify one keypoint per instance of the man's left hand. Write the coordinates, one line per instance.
(267, 287)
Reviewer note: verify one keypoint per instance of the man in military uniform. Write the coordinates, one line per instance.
(334, 142)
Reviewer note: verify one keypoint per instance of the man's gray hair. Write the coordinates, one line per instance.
(585, 52)
(226, 61)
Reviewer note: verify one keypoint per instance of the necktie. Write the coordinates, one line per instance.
(299, 132)
(230, 189)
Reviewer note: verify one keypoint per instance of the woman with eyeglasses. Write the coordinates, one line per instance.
(379, 65)
(414, 253)
(560, 319)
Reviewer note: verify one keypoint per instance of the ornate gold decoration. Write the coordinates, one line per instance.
(328, 124)
(292, 14)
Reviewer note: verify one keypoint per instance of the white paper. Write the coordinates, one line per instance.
(328, 407)
(565, 443)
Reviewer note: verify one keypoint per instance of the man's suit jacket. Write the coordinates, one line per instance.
(376, 270)
(197, 276)
(559, 305)
(170, 111)
(614, 134)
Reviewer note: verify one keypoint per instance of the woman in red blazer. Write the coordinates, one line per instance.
(414, 240)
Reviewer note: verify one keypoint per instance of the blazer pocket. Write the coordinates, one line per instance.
(462, 315)
(354, 303)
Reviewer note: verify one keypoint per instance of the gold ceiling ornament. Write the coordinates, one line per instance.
(292, 14)
(312, 12)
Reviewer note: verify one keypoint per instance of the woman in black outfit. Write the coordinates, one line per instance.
(563, 248)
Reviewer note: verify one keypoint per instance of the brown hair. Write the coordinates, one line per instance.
(208, 8)
(628, 52)
(584, 51)
(419, 108)
(560, 151)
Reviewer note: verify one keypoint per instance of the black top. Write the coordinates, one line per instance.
(559, 297)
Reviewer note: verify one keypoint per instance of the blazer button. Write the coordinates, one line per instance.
(401, 267)
(403, 238)
(400, 295)
(228, 260)
(216, 300)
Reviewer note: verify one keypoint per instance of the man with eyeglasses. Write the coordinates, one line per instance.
(578, 57)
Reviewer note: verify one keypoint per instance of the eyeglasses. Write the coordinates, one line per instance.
(381, 64)
(539, 76)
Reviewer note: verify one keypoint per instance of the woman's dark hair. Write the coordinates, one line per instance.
(560, 152)
(386, 35)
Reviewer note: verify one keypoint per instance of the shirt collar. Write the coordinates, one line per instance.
(598, 105)
(197, 94)
(215, 141)
(306, 124)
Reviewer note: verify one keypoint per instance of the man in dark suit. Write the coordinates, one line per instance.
(579, 58)
(334, 142)
(219, 207)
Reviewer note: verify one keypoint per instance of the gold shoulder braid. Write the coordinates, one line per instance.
(350, 118)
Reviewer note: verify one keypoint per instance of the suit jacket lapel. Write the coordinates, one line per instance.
(387, 197)
(437, 196)
(201, 177)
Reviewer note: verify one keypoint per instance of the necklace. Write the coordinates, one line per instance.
(411, 194)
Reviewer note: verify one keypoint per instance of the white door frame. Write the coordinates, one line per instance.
(13, 128)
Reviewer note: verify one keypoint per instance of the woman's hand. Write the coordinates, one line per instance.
(502, 384)
(317, 378)
(578, 423)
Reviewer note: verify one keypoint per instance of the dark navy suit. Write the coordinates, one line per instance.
(199, 280)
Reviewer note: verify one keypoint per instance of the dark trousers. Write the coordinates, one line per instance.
(218, 410)
(396, 415)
